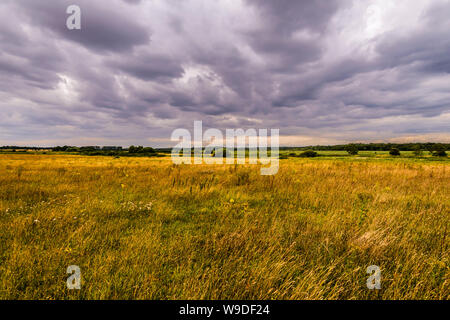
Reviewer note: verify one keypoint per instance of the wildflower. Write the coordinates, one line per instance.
(122, 185)
(231, 200)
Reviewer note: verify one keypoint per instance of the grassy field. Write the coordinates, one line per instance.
(143, 228)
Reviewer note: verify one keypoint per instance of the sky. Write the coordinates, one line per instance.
(323, 71)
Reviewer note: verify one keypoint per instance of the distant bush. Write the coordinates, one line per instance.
(308, 154)
(417, 151)
(394, 152)
(352, 149)
(438, 150)
(439, 153)
(140, 149)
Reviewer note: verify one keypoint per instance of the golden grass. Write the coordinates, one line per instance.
(142, 228)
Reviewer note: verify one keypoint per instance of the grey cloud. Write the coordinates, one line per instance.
(275, 35)
(429, 47)
(286, 16)
(105, 27)
(274, 69)
(132, 1)
(150, 67)
(284, 55)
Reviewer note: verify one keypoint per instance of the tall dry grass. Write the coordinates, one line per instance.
(145, 229)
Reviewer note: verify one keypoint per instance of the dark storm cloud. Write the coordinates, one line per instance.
(328, 70)
(286, 16)
(25, 60)
(150, 67)
(283, 55)
(308, 86)
(229, 64)
(275, 35)
(106, 26)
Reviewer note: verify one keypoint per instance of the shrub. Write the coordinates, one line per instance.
(418, 152)
(148, 150)
(308, 154)
(352, 149)
(439, 153)
(394, 152)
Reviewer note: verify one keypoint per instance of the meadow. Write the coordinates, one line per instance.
(143, 228)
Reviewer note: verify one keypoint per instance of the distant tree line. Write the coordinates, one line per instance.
(22, 148)
(429, 146)
(89, 148)
(109, 150)
(436, 149)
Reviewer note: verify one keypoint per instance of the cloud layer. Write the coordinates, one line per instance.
(324, 71)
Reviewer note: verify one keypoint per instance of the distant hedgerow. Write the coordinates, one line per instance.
(308, 154)
(394, 152)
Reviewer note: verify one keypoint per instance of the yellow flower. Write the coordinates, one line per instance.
(232, 200)
(122, 185)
